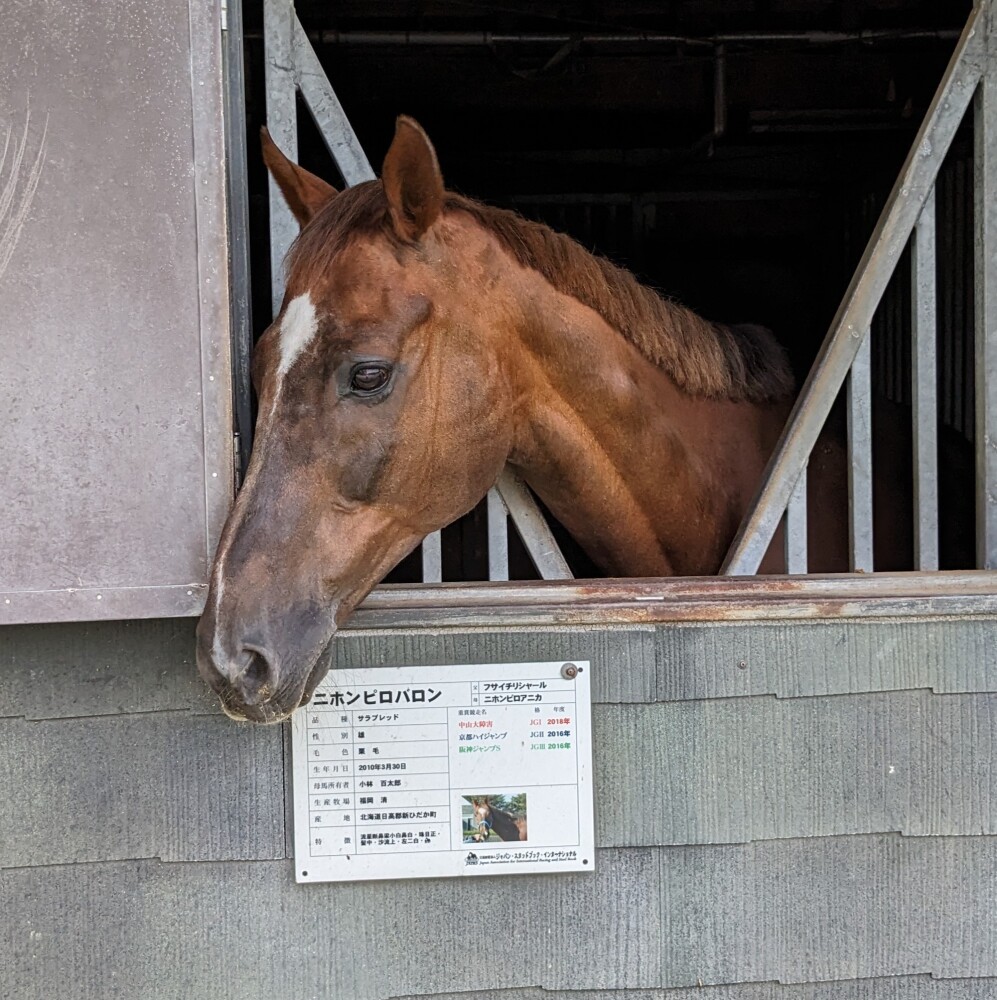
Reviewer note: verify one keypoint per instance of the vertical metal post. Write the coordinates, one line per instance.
(924, 390)
(238, 225)
(719, 91)
(860, 457)
(498, 537)
(432, 558)
(985, 245)
(532, 528)
(282, 120)
(796, 527)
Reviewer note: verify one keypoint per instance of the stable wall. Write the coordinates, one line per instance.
(806, 804)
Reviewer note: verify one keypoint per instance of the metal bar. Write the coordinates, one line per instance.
(432, 558)
(238, 225)
(282, 120)
(640, 603)
(340, 139)
(498, 537)
(924, 389)
(985, 274)
(796, 527)
(944, 252)
(532, 528)
(860, 458)
(720, 91)
(488, 39)
(658, 197)
(212, 262)
(963, 362)
(863, 296)
(960, 296)
(676, 589)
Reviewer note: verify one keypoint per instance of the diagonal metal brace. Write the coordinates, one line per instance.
(854, 316)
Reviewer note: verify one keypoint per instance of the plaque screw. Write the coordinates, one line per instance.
(743, 664)
(569, 671)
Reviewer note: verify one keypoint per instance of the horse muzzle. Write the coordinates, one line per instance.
(254, 680)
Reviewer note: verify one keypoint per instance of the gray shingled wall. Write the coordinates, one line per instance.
(797, 811)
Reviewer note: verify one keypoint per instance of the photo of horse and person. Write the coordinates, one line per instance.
(493, 818)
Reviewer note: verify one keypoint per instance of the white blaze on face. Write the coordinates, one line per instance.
(298, 327)
(297, 330)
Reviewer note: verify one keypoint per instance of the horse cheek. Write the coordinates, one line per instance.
(361, 480)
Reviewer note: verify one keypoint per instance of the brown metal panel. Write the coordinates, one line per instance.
(678, 599)
(115, 388)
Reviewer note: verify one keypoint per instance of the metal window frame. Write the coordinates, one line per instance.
(677, 601)
(291, 63)
(237, 190)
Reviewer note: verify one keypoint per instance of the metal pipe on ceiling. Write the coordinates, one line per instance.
(468, 39)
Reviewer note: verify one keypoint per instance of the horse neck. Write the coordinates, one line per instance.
(650, 480)
(503, 823)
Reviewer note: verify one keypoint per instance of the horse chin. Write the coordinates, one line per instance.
(260, 715)
(315, 677)
(268, 713)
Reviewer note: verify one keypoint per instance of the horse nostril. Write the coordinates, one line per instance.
(253, 684)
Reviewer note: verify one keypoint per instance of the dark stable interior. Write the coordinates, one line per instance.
(734, 154)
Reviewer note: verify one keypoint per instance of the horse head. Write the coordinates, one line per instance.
(383, 416)
(424, 341)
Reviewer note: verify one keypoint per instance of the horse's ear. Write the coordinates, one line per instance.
(412, 180)
(304, 193)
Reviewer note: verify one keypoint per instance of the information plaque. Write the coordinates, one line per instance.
(417, 772)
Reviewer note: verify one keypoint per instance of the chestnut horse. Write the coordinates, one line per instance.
(424, 342)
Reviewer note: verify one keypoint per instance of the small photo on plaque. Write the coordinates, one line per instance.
(493, 817)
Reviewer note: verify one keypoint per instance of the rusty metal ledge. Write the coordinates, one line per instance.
(710, 599)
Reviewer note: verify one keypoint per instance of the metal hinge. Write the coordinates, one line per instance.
(224, 12)
(237, 462)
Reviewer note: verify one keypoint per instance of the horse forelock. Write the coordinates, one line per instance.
(704, 358)
(361, 210)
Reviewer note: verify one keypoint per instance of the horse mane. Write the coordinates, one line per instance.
(739, 363)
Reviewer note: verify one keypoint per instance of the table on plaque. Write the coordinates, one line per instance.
(403, 772)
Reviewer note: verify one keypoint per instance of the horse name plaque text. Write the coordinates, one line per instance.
(418, 772)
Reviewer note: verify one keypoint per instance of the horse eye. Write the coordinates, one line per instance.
(369, 378)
